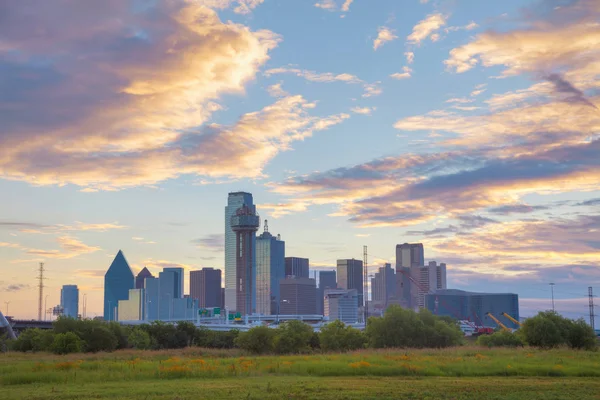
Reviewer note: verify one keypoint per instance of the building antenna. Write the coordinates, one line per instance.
(266, 226)
(41, 288)
(592, 316)
(365, 285)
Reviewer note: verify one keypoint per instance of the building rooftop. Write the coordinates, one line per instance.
(458, 292)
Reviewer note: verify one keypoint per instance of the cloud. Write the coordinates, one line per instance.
(404, 75)
(277, 91)
(410, 57)
(212, 242)
(91, 273)
(363, 110)
(563, 86)
(426, 28)
(328, 5)
(246, 6)
(32, 227)
(159, 264)
(384, 35)
(144, 119)
(516, 209)
(277, 210)
(15, 287)
(346, 5)
(591, 202)
(71, 248)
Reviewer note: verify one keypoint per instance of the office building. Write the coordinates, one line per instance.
(327, 280)
(429, 278)
(69, 301)
(410, 255)
(133, 308)
(296, 266)
(245, 223)
(350, 276)
(473, 307)
(234, 202)
(117, 282)
(270, 269)
(160, 302)
(205, 286)
(298, 296)
(383, 285)
(342, 305)
(178, 283)
(139, 279)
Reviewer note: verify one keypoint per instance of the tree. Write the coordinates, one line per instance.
(65, 343)
(139, 339)
(257, 340)
(34, 340)
(120, 334)
(548, 329)
(401, 327)
(337, 336)
(99, 338)
(582, 336)
(189, 330)
(293, 337)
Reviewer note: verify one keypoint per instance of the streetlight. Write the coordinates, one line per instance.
(7, 303)
(45, 306)
(278, 308)
(552, 290)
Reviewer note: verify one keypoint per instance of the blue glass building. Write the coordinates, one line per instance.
(235, 201)
(69, 301)
(474, 306)
(270, 269)
(117, 282)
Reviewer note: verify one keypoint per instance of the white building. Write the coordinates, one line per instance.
(341, 304)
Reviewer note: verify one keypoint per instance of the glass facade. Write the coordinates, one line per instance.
(408, 255)
(383, 284)
(270, 268)
(178, 284)
(205, 286)
(132, 309)
(298, 296)
(474, 306)
(296, 266)
(234, 202)
(350, 276)
(341, 304)
(327, 280)
(117, 282)
(69, 301)
(139, 279)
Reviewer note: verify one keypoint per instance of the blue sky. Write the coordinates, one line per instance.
(469, 126)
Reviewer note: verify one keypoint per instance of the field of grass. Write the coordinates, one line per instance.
(459, 373)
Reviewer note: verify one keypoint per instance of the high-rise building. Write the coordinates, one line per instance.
(139, 279)
(383, 285)
(117, 282)
(474, 306)
(234, 202)
(296, 266)
(430, 277)
(133, 308)
(178, 284)
(350, 276)
(342, 304)
(245, 223)
(407, 255)
(270, 268)
(205, 286)
(327, 280)
(69, 301)
(298, 296)
(160, 303)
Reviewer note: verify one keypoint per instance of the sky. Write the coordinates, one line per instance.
(470, 126)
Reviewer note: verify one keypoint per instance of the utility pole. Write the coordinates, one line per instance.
(41, 288)
(592, 316)
(365, 285)
(7, 303)
(552, 289)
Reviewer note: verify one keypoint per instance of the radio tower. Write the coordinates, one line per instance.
(41, 287)
(592, 316)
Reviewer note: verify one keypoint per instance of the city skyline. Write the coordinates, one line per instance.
(470, 127)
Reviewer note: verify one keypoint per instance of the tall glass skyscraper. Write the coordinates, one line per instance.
(117, 282)
(270, 268)
(69, 300)
(350, 276)
(178, 284)
(235, 200)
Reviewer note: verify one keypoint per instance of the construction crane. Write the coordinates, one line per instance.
(511, 319)
(497, 321)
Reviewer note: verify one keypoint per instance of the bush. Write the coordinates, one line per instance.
(293, 337)
(139, 339)
(220, 340)
(500, 339)
(336, 336)
(99, 338)
(257, 340)
(549, 330)
(401, 327)
(119, 331)
(33, 340)
(65, 343)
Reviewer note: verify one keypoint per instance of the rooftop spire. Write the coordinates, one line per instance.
(266, 226)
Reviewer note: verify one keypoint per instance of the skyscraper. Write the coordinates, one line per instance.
(132, 309)
(327, 280)
(235, 200)
(205, 286)
(139, 279)
(117, 282)
(245, 223)
(69, 300)
(341, 304)
(178, 285)
(430, 278)
(270, 268)
(408, 255)
(296, 266)
(350, 276)
(298, 296)
(383, 285)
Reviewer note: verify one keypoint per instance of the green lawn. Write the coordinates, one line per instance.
(460, 373)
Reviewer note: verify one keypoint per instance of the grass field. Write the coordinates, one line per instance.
(459, 373)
